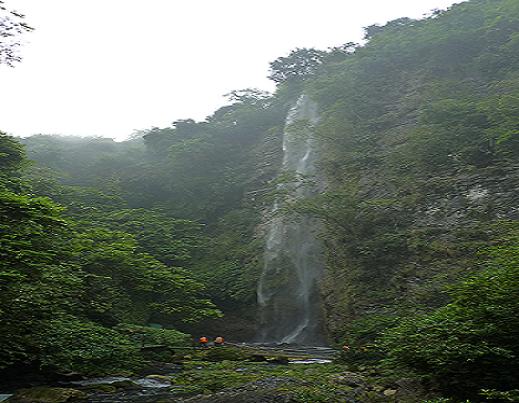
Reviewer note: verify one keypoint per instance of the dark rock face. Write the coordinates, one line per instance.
(470, 198)
(429, 242)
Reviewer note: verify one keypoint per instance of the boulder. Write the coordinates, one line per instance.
(349, 379)
(47, 395)
(101, 387)
(257, 358)
(279, 360)
(390, 392)
(412, 389)
(124, 384)
(162, 378)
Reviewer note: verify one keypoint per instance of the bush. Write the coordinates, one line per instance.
(145, 335)
(470, 344)
(69, 344)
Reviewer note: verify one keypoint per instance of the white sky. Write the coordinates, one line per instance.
(108, 67)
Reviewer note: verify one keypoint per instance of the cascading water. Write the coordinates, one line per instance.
(287, 292)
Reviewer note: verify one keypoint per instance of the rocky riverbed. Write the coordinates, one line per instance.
(230, 375)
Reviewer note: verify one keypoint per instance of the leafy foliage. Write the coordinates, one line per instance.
(471, 343)
(297, 65)
(69, 344)
(187, 193)
(419, 144)
(64, 286)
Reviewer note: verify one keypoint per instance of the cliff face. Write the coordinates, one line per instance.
(404, 265)
(421, 134)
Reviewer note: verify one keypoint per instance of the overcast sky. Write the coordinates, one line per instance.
(109, 67)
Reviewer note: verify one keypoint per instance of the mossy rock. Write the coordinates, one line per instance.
(47, 395)
(103, 387)
(124, 385)
(349, 379)
(279, 360)
(163, 378)
(186, 390)
(258, 358)
(226, 354)
(122, 373)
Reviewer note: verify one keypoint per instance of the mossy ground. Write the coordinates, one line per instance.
(233, 375)
(295, 382)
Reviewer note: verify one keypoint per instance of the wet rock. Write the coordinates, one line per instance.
(70, 376)
(163, 378)
(273, 382)
(103, 388)
(350, 379)
(311, 361)
(107, 380)
(153, 383)
(258, 358)
(155, 368)
(124, 384)
(390, 392)
(279, 361)
(47, 395)
(412, 389)
(123, 374)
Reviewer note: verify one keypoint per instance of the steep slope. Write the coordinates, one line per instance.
(421, 134)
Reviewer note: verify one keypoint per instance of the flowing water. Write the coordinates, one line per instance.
(287, 290)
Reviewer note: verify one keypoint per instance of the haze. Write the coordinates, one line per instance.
(107, 68)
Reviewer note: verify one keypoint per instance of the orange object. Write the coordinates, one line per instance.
(203, 339)
(218, 340)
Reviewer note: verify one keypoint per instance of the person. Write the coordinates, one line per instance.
(203, 341)
(218, 341)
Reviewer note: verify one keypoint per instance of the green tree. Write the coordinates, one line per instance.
(470, 344)
(66, 285)
(299, 64)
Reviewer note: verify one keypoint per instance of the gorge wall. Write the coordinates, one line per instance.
(419, 148)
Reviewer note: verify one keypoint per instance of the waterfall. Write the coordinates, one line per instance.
(287, 292)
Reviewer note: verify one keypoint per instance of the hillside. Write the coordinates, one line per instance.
(413, 197)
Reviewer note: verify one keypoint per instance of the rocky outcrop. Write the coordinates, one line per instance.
(433, 230)
(47, 395)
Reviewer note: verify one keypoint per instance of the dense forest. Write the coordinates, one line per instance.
(161, 238)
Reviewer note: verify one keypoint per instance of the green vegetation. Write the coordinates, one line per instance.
(419, 130)
(470, 344)
(191, 195)
(296, 383)
(67, 288)
(419, 137)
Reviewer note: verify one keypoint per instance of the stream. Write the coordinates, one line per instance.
(155, 384)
